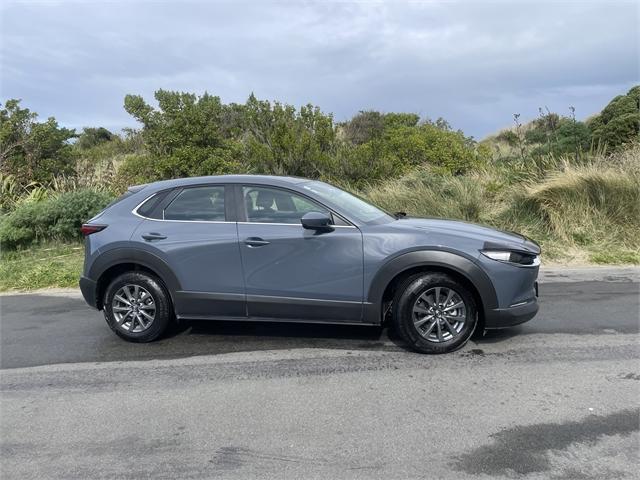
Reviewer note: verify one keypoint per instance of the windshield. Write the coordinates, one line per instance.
(353, 206)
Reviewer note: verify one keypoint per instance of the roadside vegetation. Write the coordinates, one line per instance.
(47, 265)
(573, 186)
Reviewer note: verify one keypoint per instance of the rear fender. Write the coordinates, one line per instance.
(118, 256)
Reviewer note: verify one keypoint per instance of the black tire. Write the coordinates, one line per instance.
(403, 315)
(163, 313)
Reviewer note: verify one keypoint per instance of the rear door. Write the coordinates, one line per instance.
(194, 234)
(291, 272)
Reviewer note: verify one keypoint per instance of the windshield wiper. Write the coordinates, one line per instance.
(400, 215)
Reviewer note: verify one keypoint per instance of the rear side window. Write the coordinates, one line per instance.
(205, 204)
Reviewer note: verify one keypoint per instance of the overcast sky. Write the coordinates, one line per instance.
(474, 63)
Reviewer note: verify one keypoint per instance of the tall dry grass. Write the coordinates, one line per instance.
(589, 210)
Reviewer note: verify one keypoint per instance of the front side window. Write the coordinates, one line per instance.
(272, 205)
(205, 204)
(352, 205)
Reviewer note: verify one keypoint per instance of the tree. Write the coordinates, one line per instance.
(186, 134)
(283, 140)
(182, 119)
(363, 127)
(33, 151)
(91, 137)
(619, 122)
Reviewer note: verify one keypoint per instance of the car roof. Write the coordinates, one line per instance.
(255, 179)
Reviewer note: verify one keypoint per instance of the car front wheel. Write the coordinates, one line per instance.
(434, 313)
(137, 307)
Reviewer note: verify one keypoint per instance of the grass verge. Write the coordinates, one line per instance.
(41, 267)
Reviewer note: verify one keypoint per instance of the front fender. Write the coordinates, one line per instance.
(441, 259)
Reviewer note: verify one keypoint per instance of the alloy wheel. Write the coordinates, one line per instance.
(439, 314)
(133, 308)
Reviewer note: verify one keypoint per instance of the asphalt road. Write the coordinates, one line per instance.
(554, 398)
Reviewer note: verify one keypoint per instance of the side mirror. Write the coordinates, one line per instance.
(316, 221)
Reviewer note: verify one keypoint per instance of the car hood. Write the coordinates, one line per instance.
(491, 237)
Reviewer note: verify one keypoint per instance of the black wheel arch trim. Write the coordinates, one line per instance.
(124, 255)
(445, 259)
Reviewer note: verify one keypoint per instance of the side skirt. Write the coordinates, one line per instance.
(270, 320)
(262, 308)
(305, 309)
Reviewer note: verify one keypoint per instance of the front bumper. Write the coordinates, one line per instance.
(88, 288)
(508, 317)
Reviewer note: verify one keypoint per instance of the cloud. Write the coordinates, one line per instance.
(474, 63)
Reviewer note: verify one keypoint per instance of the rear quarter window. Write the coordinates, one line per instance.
(150, 208)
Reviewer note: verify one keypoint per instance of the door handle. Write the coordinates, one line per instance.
(255, 242)
(153, 236)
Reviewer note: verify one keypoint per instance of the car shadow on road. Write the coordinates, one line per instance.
(247, 335)
(497, 336)
(289, 335)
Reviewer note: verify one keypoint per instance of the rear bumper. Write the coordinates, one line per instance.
(508, 317)
(88, 288)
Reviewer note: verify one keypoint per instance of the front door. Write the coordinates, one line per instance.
(294, 273)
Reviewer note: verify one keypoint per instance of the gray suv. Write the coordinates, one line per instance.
(247, 247)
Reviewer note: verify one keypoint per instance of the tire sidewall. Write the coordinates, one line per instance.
(403, 312)
(160, 298)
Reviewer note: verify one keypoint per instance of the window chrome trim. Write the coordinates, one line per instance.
(291, 224)
(135, 209)
(135, 212)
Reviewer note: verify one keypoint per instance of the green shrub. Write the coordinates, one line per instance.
(183, 162)
(33, 151)
(137, 169)
(54, 218)
(619, 122)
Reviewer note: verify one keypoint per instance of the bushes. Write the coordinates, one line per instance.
(619, 122)
(199, 135)
(33, 151)
(54, 218)
(183, 162)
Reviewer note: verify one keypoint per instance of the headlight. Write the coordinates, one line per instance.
(517, 258)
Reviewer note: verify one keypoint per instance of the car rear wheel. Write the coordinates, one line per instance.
(434, 313)
(137, 307)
